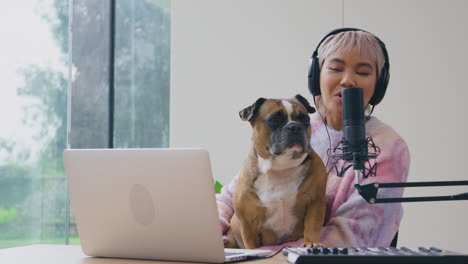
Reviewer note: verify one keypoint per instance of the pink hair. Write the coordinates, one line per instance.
(364, 42)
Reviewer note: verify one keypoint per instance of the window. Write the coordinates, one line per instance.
(142, 63)
(119, 83)
(34, 50)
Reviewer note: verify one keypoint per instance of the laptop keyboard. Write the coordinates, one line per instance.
(227, 254)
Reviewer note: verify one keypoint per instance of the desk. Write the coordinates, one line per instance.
(60, 254)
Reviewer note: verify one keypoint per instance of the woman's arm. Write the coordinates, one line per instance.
(354, 222)
(224, 203)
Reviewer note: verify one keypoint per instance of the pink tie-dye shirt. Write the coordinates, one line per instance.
(350, 221)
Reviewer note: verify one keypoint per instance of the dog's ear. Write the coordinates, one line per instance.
(304, 101)
(249, 112)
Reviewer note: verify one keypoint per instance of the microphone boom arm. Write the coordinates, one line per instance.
(369, 192)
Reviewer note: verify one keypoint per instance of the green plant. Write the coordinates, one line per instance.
(218, 186)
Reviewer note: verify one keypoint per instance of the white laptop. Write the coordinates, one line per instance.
(147, 204)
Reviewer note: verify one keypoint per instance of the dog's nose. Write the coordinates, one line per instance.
(294, 127)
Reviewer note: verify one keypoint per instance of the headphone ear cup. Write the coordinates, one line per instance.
(380, 87)
(314, 77)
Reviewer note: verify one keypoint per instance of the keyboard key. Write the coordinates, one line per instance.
(423, 249)
(435, 249)
(382, 249)
(407, 249)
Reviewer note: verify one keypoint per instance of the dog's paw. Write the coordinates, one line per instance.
(229, 243)
(312, 244)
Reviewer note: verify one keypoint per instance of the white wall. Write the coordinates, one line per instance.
(227, 53)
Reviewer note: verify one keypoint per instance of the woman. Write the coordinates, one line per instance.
(349, 58)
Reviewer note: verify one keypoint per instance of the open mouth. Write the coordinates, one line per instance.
(338, 96)
(288, 149)
(295, 146)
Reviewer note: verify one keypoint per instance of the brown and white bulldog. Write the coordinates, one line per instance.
(280, 192)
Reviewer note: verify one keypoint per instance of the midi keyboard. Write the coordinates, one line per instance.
(324, 255)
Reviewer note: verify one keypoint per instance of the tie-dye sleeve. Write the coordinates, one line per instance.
(224, 204)
(353, 221)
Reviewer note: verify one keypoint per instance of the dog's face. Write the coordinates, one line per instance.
(280, 126)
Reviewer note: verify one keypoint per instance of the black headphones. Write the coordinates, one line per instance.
(382, 82)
